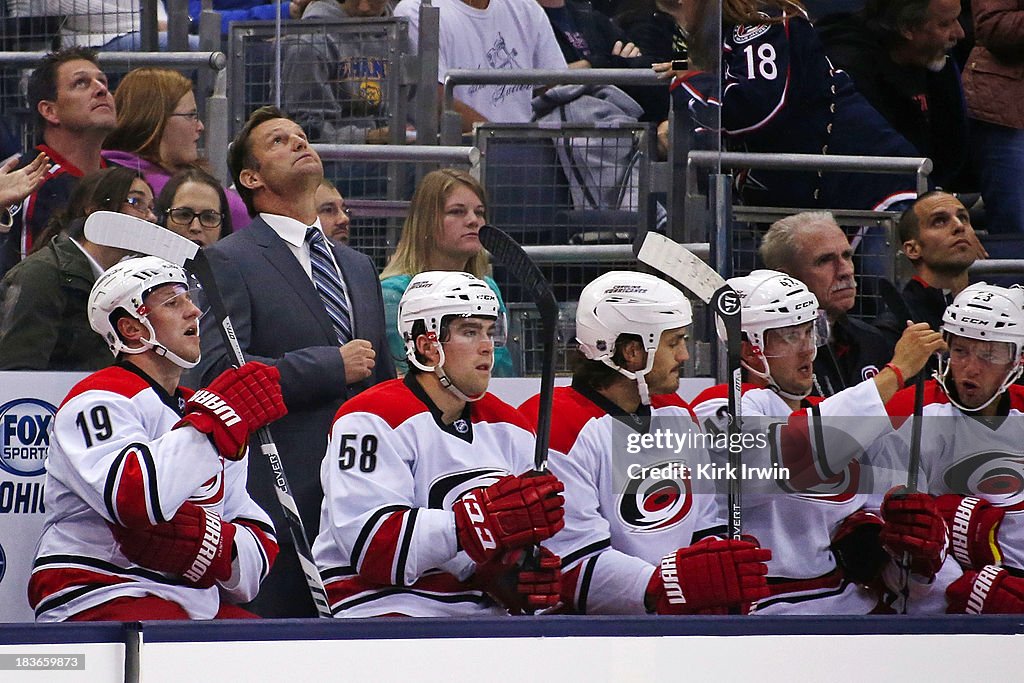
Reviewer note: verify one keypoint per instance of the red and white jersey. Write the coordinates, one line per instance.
(968, 455)
(393, 470)
(115, 459)
(798, 525)
(620, 518)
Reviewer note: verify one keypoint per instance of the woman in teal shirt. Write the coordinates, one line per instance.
(441, 232)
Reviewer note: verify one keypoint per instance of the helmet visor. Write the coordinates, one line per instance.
(963, 350)
(794, 339)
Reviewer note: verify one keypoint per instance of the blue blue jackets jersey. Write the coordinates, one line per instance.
(781, 94)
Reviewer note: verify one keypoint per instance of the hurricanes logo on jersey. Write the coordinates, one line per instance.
(995, 476)
(650, 504)
(444, 491)
(839, 489)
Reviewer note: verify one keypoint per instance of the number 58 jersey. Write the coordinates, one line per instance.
(393, 470)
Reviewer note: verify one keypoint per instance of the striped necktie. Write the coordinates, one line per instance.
(328, 284)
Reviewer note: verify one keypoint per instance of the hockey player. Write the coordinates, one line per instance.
(428, 498)
(147, 511)
(817, 534)
(970, 449)
(639, 534)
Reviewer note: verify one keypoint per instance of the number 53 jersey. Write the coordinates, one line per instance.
(387, 543)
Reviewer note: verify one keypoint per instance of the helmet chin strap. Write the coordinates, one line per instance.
(443, 377)
(637, 376)
(772, 384)
(159, 349)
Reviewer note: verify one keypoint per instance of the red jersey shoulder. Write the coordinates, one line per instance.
(901, 405)
(570, 411)
(1016, 397)
(673, 401)
(114, 379)
(490, 408)
(391, 401)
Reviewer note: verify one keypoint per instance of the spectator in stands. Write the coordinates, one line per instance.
(481, 34)
(813, 248)
(311, 308)
(936, 236)
(993, 81)
(158, 129)
(335, 217)
(333, 86)
(441, 232)
(896, 51)
(109, 25)
(589, 39)
(194, 205)
(74, 111)
(248, 10)
(43, 321)
(348, 9)
(16, 185)
(778, 93)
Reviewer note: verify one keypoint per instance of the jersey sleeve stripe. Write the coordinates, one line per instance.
(379, 562)
(590, 549)
(368, 528)
(584, 586)
(131, 493)
(403, 549)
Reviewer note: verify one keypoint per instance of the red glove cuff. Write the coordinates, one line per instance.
(973, 528)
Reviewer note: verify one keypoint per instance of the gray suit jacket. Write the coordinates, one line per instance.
(280, 320)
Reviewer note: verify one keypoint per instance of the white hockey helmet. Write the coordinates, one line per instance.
(987, 313)
(771, 300)
(626, 302)
(434, 297)
(124, 286)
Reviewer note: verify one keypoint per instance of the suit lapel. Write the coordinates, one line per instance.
(281, 259)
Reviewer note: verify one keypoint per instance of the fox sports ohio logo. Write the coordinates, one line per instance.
(25, 436)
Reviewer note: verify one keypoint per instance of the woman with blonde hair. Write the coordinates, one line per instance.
(441, 232)
(158, 130)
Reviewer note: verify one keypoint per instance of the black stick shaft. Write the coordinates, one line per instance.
(200, 267)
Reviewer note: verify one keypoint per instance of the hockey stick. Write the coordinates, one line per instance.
(510, 254)
(897, 304)
(683, 266)
(134, 234)
(507, 251)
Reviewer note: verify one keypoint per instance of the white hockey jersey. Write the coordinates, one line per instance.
(114, 459)
(393, 470)
(627, 505)
(969, 456)
(796, 526)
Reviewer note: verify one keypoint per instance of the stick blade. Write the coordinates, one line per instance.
(509, 253)
(680, 264)
(122, 231)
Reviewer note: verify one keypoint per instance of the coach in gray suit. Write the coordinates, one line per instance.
(280, 318)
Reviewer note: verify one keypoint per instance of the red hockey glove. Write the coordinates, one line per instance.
(194, 545)
(973, 528)
(991, 591)
(236, 404)
(518, 582)
(514, 512)
(858, 552)
(914, 526)
(709, 574)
